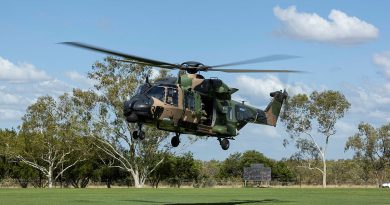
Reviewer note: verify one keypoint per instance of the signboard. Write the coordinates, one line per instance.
(257, 172)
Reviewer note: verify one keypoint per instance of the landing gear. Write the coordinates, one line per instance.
(135, 135)
(175, 141)
(139, 134)
(224, 143)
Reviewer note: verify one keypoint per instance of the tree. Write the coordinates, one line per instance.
(48, 136)
(6, 137)
(185, 168)
(301, 113)
(109, 174)
(164, 171)
(24, 174)
(209, 173)
(231, 167)
(80, 175)
(115, 82)
(372, 148)
(281, 172)
(254, 157)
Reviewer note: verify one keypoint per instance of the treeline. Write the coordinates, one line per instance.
(95, 167)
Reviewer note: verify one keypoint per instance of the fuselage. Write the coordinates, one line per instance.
(193, 105)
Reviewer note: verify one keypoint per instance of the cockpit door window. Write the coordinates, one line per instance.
(157, 92)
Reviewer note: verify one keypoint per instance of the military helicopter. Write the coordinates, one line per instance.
(191, 104)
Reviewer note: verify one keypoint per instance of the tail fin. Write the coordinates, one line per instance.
(273, 109)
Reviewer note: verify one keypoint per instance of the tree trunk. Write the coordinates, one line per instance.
(50, 177)
(324, 173)
(157, 182)
(50, 181)
(23, 183)
(84, 182)
(108, 183)
(137, 180)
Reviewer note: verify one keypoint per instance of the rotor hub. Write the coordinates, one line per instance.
(193, 67)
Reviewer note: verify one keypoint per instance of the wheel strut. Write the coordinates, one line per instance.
(224, 142)
(139, 134)
(175, 141)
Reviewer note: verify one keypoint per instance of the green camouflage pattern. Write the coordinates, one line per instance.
(214, 113)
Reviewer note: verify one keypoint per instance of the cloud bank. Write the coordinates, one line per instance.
(20, 86)
(20, 73)
(257, 90)
(338, 28)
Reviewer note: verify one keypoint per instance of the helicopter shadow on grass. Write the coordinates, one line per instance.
(235, 202)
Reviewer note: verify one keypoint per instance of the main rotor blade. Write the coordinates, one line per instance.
(254, 71)
(258, 60)
(116, 53)
(147, 64)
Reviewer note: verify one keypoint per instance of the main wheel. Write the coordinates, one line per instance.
(141, 135)
(135, 135)
(175, 141)
(225, 144)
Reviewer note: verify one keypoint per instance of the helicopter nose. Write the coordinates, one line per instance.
(138, 109)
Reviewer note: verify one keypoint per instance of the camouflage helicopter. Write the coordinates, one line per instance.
(191, 104)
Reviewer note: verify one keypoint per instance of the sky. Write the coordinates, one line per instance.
(344, 46)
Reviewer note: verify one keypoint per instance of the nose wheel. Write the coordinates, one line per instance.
(139, 134)
(225, 144)
(175, 141)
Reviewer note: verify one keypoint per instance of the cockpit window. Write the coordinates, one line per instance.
(157, 92)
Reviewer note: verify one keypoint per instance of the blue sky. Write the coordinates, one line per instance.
(344, 45)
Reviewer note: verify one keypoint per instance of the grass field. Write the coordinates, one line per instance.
(195, 196)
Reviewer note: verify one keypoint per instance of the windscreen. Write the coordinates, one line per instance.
(157, 92)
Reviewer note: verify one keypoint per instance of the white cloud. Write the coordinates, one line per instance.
(20, 86)
(8, 98)
(262, 131)
(257, 91)
(10, 114)
(25, 72)
(76, 76)
(382, 60)
(79, 78)
(369, 102)
(345, 128)
(340, 28)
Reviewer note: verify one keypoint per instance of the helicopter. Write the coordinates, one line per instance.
(191, 104)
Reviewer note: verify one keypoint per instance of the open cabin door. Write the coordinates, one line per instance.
(170, 105)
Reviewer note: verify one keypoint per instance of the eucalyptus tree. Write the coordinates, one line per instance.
(372, 148)
(48, 136)
(114, 83)
(6, 137)
(301, 114)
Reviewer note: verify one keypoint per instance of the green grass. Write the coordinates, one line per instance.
(286, 196)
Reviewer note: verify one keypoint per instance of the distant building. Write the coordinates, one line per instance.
(257, 174)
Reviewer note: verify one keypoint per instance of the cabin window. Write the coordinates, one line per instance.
(157, 92)
(243, 113)
(172, 96)
(229, 113)
(189, 101)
